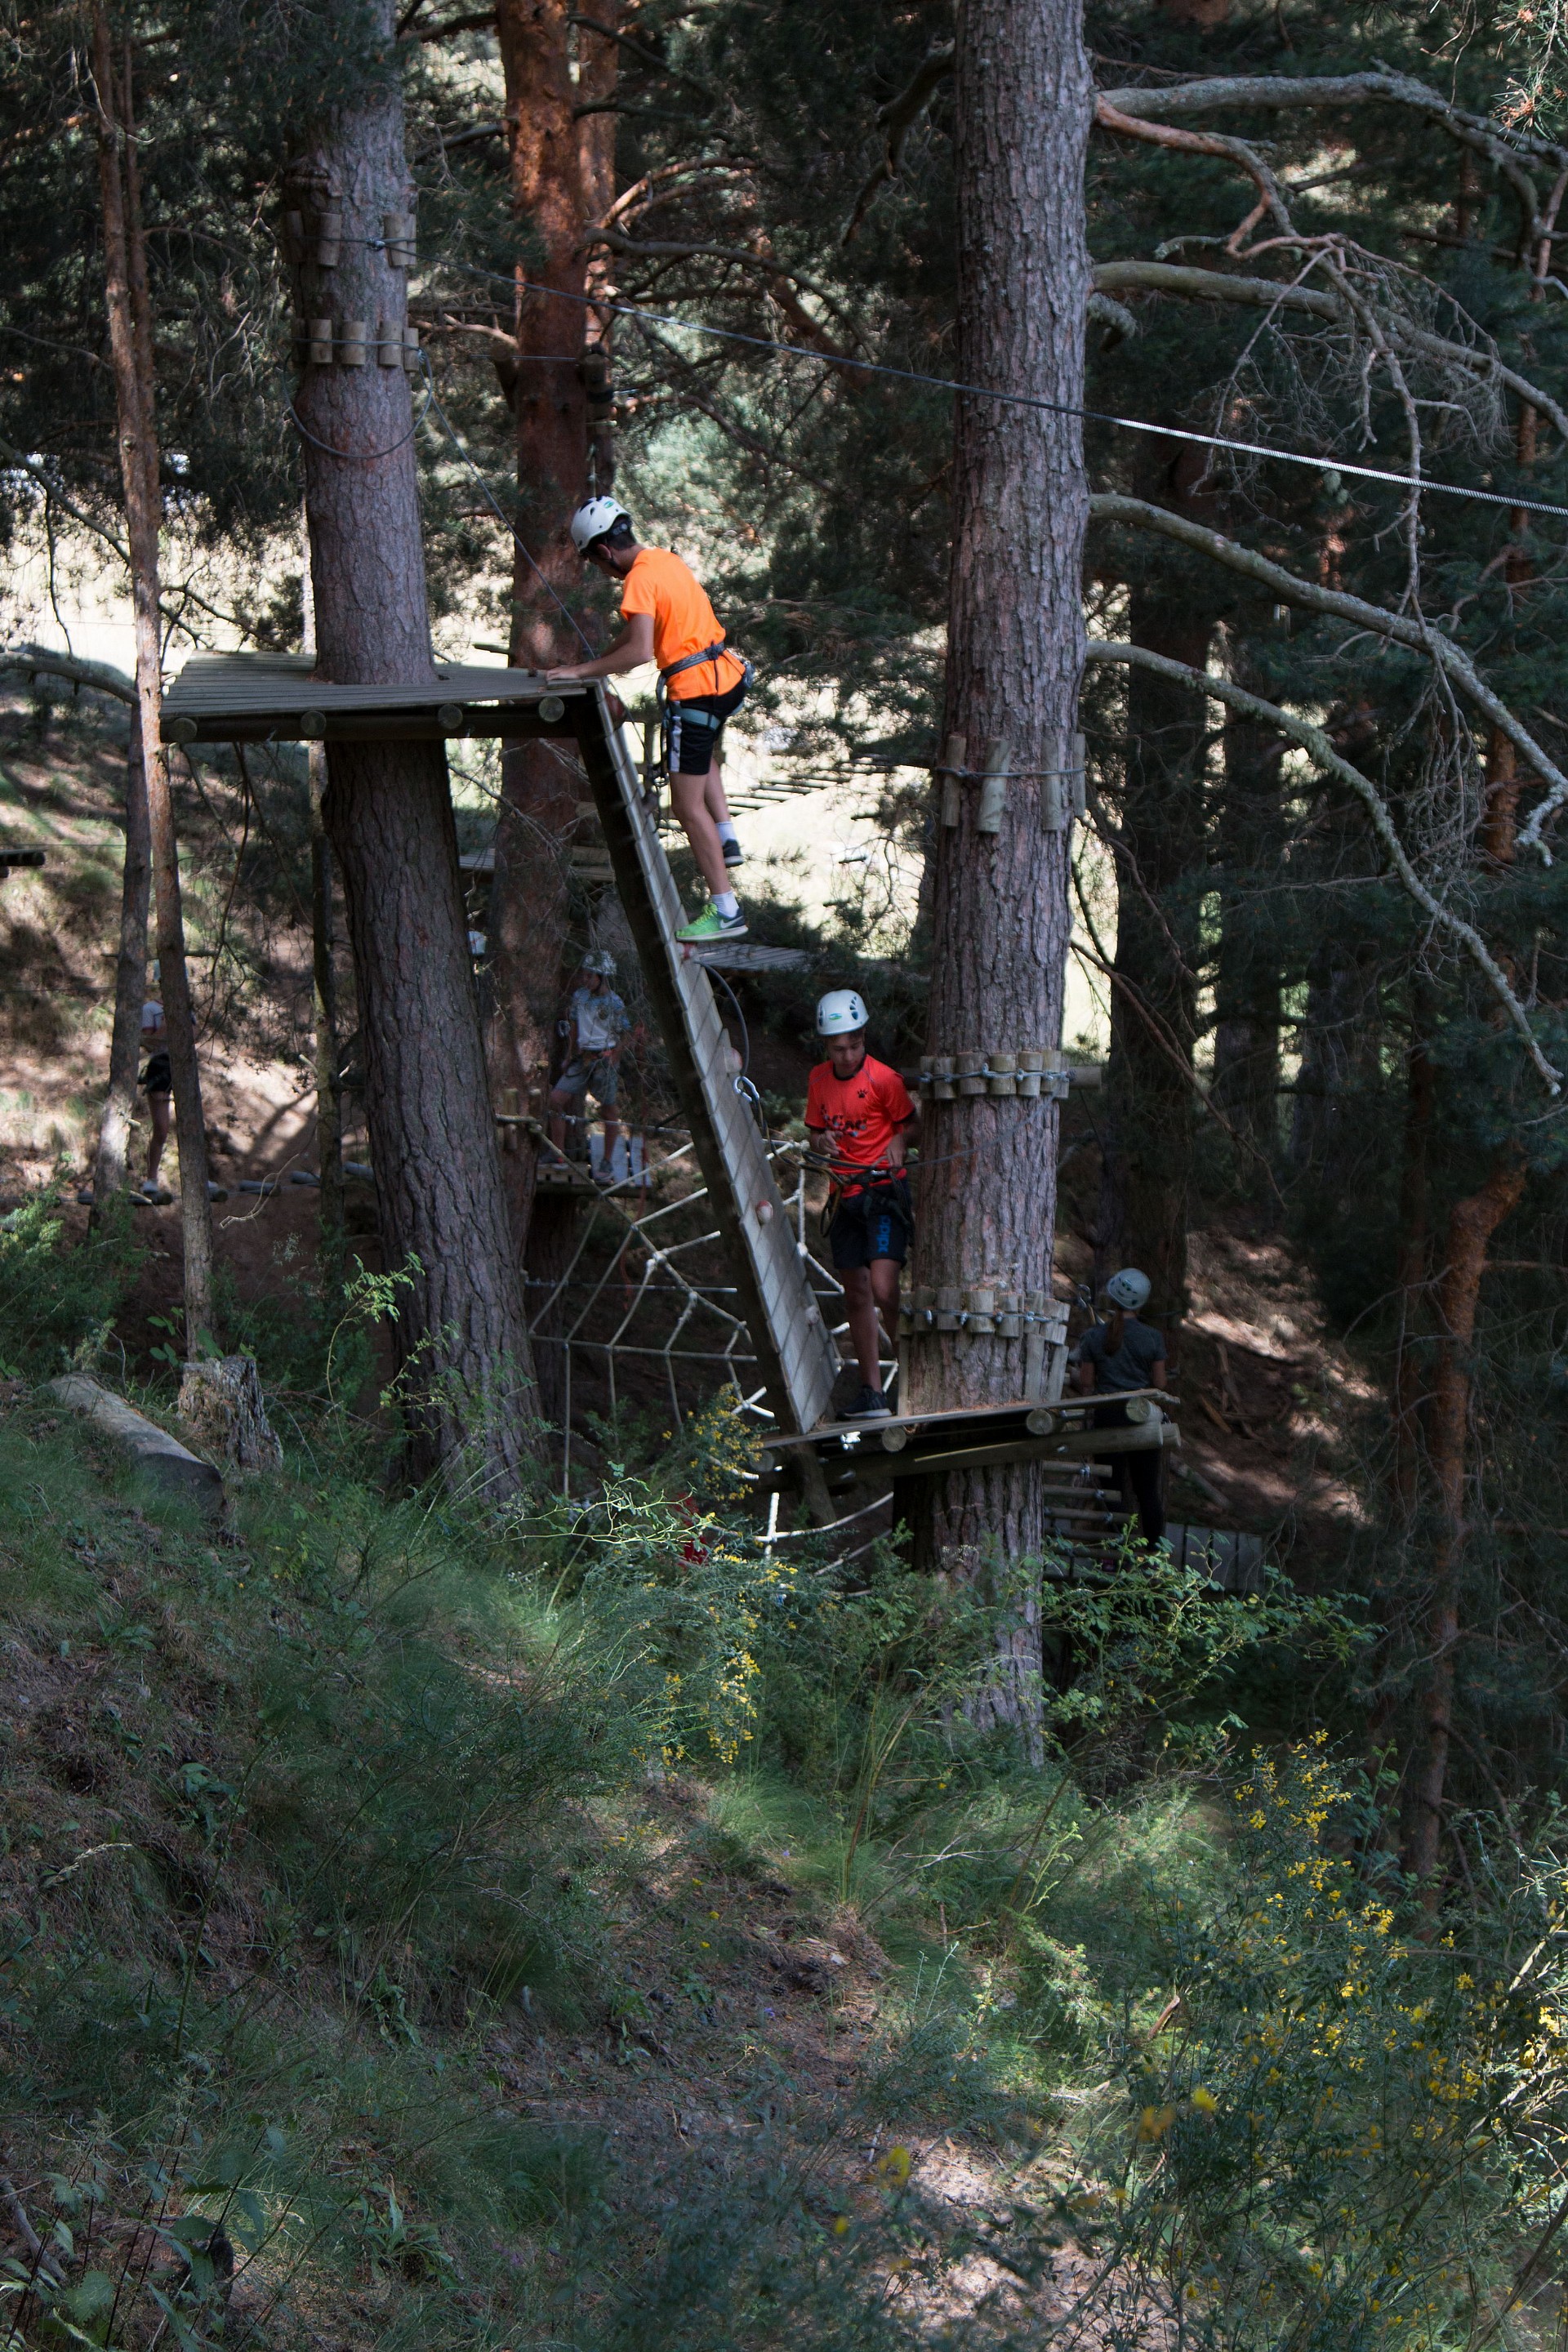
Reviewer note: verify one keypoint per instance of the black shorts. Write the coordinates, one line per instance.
(692, 728)
(876, 1222)
(158, 1077)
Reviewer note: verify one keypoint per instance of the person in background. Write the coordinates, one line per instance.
(671, 621)
(1115, 1355)
(157, 1083)
(858, 1115)
(596, 1021)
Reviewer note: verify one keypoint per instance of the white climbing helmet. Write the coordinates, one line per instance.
(593, 521)
(601, 961)
(840, 1012)
(1129, 1289)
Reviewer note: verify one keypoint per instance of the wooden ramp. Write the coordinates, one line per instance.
(249, 698)
(795, 1352)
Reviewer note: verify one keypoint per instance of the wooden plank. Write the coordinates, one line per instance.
(1092, 1444)
(255, 685)
(918, 1421)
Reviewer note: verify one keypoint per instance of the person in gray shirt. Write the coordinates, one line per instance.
(1115, 1357)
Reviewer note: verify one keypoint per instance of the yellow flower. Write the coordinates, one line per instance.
(841, 2227)
(895, 2165)
(1205, 2102)
(1155, 2121)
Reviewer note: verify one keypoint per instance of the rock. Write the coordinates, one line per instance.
(172, 1466)
(221, 1406)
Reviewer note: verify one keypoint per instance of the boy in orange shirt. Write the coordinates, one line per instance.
(669, 620)
(858, 1113)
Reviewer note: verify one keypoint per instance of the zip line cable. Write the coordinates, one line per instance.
(1417, 482)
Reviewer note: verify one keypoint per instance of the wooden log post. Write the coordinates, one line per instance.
(130, 353)
(130, 981)
(986, 1213)
(464, 1361)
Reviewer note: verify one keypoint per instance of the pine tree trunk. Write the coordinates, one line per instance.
(986, 1211)
(530, 892)
(328, 1058)
(1471, 1224)
(130, 353)
(1411, 1358)
(1159, 857)
(465, 1362)
(130, 981)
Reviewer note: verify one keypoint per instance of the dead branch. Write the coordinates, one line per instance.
(42, 661)
(1108, 117)
(1268, 293)
(898, 119)
(786, 280)
(1313, 741)
(1281, 91)
(1291, 589)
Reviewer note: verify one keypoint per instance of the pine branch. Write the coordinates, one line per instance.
(1291, 589)
(1313, 741)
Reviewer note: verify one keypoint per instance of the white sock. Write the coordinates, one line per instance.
(727, 904)
(726, 829)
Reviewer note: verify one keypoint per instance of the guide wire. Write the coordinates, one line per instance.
(1037, 402)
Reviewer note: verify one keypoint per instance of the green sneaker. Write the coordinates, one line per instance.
(709, 926)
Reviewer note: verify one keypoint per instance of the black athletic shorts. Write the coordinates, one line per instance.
(875, 1222)
(158, 1077)
(692, 728)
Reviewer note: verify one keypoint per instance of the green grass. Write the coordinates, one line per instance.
(314, 1826)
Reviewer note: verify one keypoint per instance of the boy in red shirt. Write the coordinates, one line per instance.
(858, 1113)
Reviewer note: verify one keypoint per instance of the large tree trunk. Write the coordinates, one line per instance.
(463, 1346)
(1153, 1018)
(530, 911)
(987, 1208)
(130, 980)
(131, 352)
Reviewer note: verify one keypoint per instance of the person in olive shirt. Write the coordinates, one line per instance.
(1117, 1356)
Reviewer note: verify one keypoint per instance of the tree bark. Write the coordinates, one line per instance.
(1414, 1236)
(465, 1366)
(130, 981)
(130, 353)
(1472, 1222)
(986, 1210)
(1153, 1021)
(551, 153)
(328, 1057)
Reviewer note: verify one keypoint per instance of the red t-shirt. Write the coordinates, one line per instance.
(861, 1113)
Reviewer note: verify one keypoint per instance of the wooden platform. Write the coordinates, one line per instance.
(917, 1446)
(275, 699)
(743, 955)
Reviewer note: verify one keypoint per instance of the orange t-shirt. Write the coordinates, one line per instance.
(683, 623)
(861, 1113)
